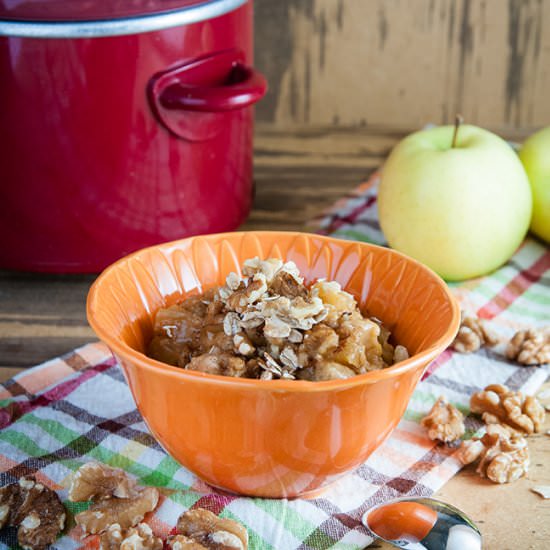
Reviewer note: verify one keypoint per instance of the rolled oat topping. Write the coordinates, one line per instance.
(270, 324)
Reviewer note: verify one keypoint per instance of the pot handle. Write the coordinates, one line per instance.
(244, 86)
(204, 88)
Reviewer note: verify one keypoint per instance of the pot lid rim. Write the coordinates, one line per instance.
(149, 22)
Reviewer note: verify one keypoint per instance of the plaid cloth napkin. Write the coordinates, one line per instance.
(78, 408)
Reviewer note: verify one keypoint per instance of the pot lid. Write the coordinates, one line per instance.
(86, 18)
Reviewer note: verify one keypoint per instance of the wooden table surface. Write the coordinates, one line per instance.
(297, 175)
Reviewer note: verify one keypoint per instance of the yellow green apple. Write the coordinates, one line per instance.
(535, 155)
(455, 198)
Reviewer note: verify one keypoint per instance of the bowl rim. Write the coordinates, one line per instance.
(123, 350)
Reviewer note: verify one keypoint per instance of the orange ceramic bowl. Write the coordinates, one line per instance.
(277, 438)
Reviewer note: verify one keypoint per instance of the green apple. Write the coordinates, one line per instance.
(455, 198)
(535, 155)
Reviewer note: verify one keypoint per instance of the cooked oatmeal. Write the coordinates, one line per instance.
(268, 325)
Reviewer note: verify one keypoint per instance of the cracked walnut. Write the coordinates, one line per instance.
(503, 457)
(444, 422)
(35, 510)
(530, 347)
(473, 334)
(140, 537)
(200, 529)
(499, 405)
(118, 503)
(97, 481)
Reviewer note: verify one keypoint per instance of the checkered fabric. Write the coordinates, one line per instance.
(77, 408)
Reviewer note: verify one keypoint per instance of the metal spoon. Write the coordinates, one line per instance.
(423, 524)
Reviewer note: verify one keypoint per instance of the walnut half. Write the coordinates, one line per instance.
(127, 512)
(473, 334)
(499, 405)
(530, 347)
(35, 509)
(201, 529)
(140, 537)
(118, 503)
(94, 480)
(181, 542)
(502, 458)
(444, 422)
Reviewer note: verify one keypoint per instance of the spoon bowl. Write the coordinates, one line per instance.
(423, 524)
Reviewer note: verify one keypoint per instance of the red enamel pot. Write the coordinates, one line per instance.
(122, 124)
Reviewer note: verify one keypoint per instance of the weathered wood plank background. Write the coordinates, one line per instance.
(397, 64)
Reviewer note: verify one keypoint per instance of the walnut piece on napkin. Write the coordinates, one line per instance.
(473, 334)
(117, 501)
(94, 480)
(444, 422)
(35, 509)
(503, 458)
(200, 529)
(499, 405)
(181, 542)
(140, 537)
(127, 512)
(530, 347)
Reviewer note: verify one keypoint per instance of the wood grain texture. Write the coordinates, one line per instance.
(41, 316)
(398, 64)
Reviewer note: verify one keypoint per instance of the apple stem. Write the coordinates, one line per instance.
(459, 119)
